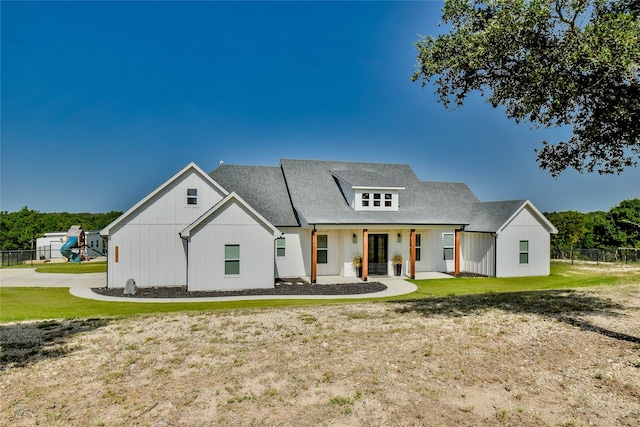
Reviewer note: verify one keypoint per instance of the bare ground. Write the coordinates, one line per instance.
(558, 358)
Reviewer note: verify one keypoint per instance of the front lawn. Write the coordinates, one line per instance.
(18, 304)
(563, 275)
(66, 267)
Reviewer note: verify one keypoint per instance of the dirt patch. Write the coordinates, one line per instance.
(555, 358)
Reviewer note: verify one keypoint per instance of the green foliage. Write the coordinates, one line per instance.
(549, 62)
(619, 227)
(571, 228)
(18, 229)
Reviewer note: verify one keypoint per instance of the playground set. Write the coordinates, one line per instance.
(75, 248)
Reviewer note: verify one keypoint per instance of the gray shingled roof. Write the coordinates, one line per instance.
(262, 187)
(317, 197)
(308, 189)
(490, 216)
(365, 178)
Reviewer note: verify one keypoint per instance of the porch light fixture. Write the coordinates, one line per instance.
(399, 238)
(355, 238)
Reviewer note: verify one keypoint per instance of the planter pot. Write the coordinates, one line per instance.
(398, 268)
(359, 271)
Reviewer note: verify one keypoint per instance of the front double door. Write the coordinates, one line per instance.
(378, 258)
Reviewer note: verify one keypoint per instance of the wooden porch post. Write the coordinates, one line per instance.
(314, 255)
(412, 254)
(365, 254)
(456, 254)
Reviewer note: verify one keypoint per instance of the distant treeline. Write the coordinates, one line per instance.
(617, 228)
(18, 229)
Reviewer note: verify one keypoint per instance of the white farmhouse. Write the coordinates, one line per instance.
(240, 227)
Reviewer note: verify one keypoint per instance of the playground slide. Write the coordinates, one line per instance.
(66, 251)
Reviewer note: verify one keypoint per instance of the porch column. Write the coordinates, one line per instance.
(456, 254)
(365, 254)
(314, 255)
(412, 254)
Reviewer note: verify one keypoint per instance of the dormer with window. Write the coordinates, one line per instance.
(376, 199)
(368, 190)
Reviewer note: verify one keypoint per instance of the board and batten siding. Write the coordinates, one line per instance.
(478, 254)
(150, 249)
(296, 261)
(525, 226)
(233, 224)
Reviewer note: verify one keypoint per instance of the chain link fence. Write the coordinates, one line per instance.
(621, 255)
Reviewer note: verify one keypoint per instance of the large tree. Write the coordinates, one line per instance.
(550, 62)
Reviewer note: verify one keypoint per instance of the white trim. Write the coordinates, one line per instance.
(191, 166)
(539, 216)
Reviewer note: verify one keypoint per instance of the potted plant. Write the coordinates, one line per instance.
(356, 261)
(397, 262)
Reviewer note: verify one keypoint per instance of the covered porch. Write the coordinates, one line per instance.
(349, 253)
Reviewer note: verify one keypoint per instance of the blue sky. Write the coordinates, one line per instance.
(101, 102)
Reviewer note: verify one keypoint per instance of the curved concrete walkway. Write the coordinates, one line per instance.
(395, 287)
(80, 286)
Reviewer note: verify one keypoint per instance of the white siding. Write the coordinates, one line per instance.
(524, 226)
(478, 253)
(232, 224)
(335, 253)
(297, 250)
(432, 252)
(150, 250)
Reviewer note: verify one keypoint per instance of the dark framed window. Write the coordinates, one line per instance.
(323, 248)
(280, 247)
(192, 196)
(418, 247)
(448, 246)
(524, 252)
(365, 199)
(231, 259)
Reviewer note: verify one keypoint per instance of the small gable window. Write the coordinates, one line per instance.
(280, 247)
(192, 196)
(524, 252)
(322, 251)
(231, 259)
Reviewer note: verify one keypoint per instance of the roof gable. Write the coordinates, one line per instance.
(191, 167)
(230, 198)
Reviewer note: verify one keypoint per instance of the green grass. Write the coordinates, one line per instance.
(18, 304)
(563, 276)
(67, 267)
